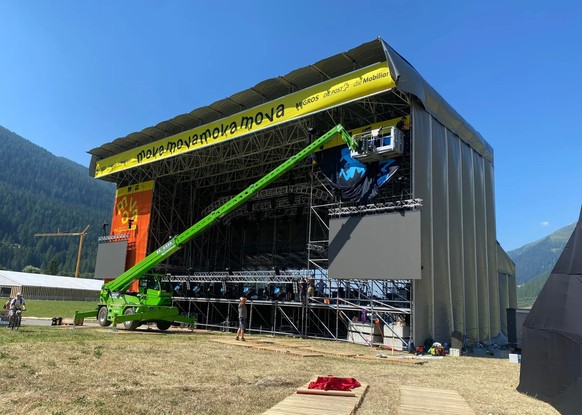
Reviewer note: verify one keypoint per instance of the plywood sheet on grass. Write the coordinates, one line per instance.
(420, 401)
(389, 359)
(265, 347)
(304, 404)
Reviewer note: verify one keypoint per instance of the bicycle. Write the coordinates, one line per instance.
(15, 320)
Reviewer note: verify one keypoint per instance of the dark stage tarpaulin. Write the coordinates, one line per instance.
(355, 181)
(551, 368)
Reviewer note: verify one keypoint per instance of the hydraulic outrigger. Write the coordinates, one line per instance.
(153, 301)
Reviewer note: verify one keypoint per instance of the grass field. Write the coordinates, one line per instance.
(94, 370)
(54, 308)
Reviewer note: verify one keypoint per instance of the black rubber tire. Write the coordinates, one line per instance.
(102, 317)
(16, 320)
(132, 324)
(163, 325)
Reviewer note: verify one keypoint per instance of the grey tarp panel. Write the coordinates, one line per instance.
(480, 247)
(423, 325)
(506, 275)
(442, 295)
(492, 277)
(469, 246)
(459, 244)
(551, 367)
(455, 202)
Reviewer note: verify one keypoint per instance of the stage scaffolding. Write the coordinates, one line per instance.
(279, 302)
(273, 247)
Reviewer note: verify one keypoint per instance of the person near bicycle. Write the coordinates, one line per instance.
(16, 304)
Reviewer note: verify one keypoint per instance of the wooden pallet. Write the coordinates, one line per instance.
(390, 359)
(267, 347)
(329, 352)
(310, 402)
(425, 401)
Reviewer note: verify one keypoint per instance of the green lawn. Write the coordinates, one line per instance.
(55, 308)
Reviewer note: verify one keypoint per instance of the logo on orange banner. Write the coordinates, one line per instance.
(131, 216)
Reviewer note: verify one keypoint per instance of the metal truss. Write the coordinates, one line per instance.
(272, 202)
(240, 277)
(341, 211)
(113, 238)
(326, 314)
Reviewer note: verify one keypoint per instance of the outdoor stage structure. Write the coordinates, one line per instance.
(399, 241)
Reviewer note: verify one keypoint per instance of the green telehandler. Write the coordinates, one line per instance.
(153, 301)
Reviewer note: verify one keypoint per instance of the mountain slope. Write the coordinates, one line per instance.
(534, 263)
(42, 193)
(539, 257)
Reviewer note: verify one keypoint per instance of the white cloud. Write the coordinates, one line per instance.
(544, 223)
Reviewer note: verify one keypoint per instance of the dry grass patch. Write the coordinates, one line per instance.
(48, 370)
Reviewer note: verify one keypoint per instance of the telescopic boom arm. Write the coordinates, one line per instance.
(162, 253)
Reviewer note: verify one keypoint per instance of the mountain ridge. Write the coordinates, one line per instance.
(44, 193)
(537, 257)
(535, 261)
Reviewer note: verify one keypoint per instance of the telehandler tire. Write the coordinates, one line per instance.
(132, 324)
(102, 317)
(163, 325)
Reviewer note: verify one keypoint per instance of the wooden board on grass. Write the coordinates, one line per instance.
(265, 347)
(414, 400)
(320, 403)
(393, 359)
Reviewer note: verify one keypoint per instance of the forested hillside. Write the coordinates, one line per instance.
(534, 263)
(42, 193)
(539, 257)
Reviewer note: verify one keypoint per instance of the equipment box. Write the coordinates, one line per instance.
(396, 330)
(364, 333)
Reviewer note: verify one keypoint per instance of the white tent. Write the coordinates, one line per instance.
(48, 287)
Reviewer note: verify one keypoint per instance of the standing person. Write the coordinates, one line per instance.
(242, 319)
(310, 288)
(403, 125)
(320, 288)
(17, 303)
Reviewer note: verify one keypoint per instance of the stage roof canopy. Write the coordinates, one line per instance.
(406, 78)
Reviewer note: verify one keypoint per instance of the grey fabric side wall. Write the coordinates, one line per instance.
(481, 248)
(423, 317)
(459, 289)
(512, 288)
(492, 277)
(503, 280)
(442, 302)
(506, 266)
(505, 270)
(456, 247)
(469, 243)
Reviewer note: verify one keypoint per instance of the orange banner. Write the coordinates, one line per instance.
(131, 216)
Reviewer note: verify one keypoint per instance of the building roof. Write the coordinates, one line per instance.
(19, 279)
(407, 79)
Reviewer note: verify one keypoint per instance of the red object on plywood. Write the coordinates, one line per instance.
(332, 383)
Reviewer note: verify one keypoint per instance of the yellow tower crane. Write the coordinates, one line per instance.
(81, 235)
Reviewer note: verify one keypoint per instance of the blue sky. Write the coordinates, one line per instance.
(75, 75)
